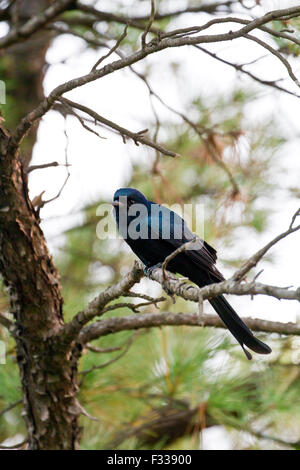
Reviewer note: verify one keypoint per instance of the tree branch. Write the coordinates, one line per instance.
(137, 137)
(148, 27)
(4, 321)
(203, 8)
(35, 23)
(231, 286)
(10, 407)
(175, 286)
(200, 132)
(41, 167)
(240, 68)
(149, 320)
(277, 54)
(156, 45)
(105, 16)
(113, 49)
(125, 348)
(188, 292)
(251, 262)
(95, 307)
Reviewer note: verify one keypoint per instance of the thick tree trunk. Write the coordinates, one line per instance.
(47, 369)
(23, 69)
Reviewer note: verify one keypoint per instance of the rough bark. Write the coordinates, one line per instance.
(47, 371)
(24, 67)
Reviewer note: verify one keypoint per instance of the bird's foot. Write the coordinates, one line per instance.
(169, 292)
(148, 270)
(166, 288)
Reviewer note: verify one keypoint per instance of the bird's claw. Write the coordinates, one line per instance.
(149, 270)
(167, 290)
(170, 294)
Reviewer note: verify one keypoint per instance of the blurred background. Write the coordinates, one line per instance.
(175, 388)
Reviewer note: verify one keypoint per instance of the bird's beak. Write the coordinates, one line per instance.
(118, 204)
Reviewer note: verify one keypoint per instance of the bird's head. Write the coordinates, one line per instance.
(129, 205)
(126, 197)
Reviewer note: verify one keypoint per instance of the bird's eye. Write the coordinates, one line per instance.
(130, 201)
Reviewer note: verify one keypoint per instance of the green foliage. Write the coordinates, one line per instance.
(10, 391)
(291, 27)
(181, 368)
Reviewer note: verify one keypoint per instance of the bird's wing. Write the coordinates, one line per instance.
(203, 255)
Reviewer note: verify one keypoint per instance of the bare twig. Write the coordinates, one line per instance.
(113, 49)
(106, 16)
(273, 51)
(196, 128)
(10, 407)
(102, 350)
(148, 27)
(96, 306)
(216, 155)
(41, 167)
(111, 361)
(64, 29)
(279, 34)
(4, 321)
(85, 413)
(240, 68)
(144, 296)
(297, 213)
(137, 137)
(203, 8)
(43, 203)
(251, 262)
(66, 109)
(131, 306)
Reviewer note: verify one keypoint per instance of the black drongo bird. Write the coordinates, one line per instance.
(153, 232)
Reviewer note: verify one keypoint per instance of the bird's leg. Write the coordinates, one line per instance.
(148, 270)
(169, 293)
(201, 321)
(166, 278)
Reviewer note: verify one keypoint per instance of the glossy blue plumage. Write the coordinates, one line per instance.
(153, 232)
